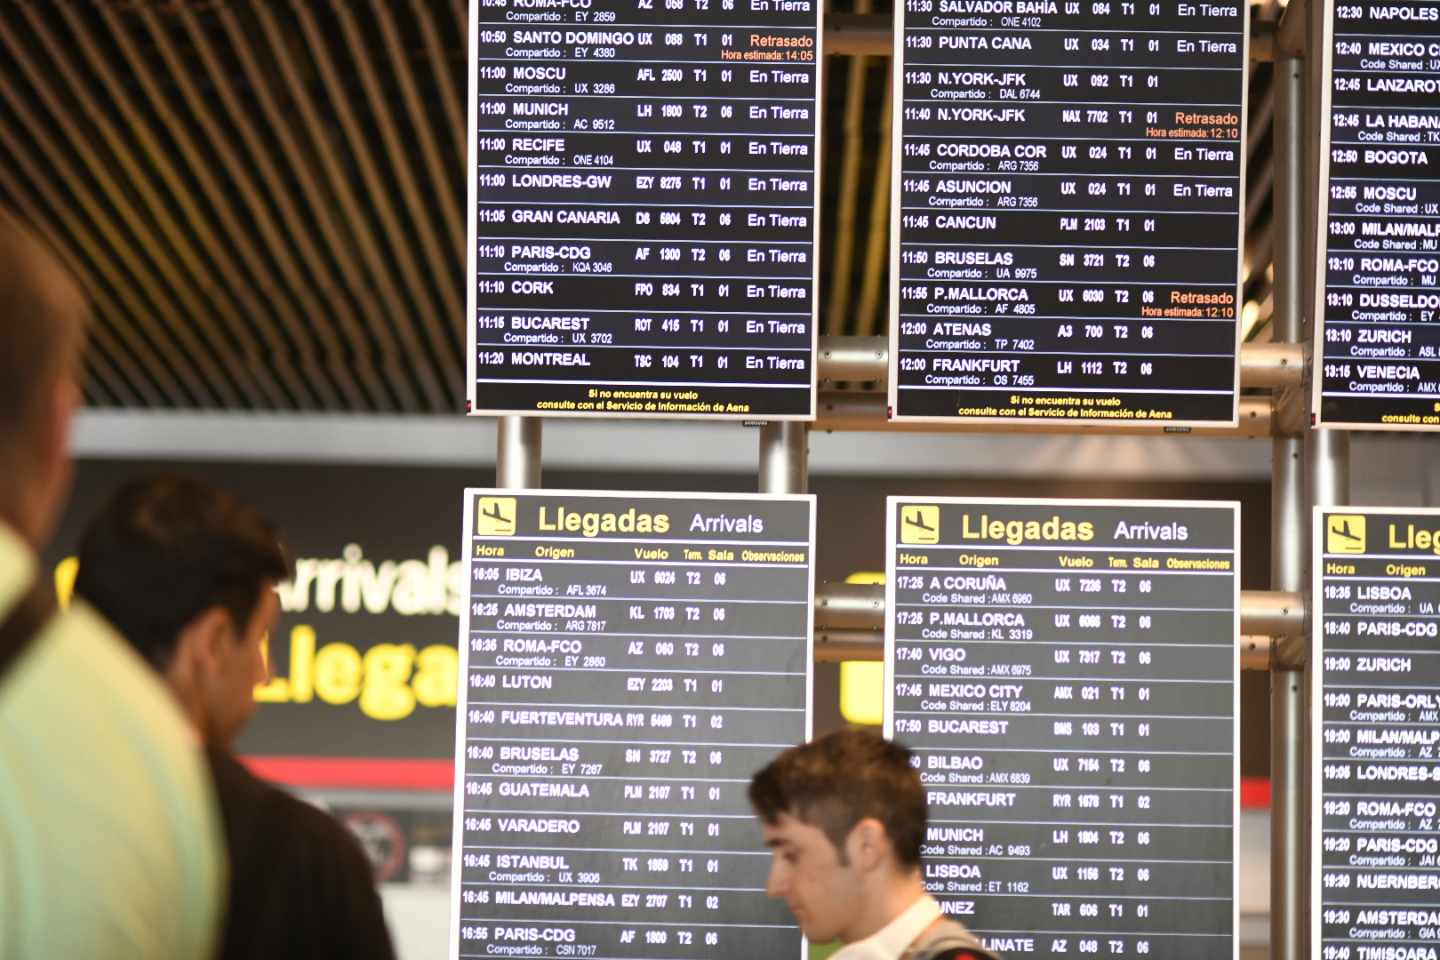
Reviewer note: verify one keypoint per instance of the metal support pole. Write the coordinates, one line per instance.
(784, 457)
(1288, 537)
(1328, 453)
(517, 453)
(1327, 456)
(1288, 882)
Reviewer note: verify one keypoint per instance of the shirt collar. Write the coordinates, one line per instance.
(891, 940)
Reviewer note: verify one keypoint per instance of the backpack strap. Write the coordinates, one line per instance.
(24, 623)
(947, 939)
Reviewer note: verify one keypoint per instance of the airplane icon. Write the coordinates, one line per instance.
(920, 524)
(497, 517)
(1345, 533)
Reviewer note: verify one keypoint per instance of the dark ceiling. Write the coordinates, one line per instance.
(265, 198)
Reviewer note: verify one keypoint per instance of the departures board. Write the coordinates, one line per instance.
(643, 214)
(1377, 365)
(628, 661)
(1066, 674)
(1375, 702)
(1066, 236)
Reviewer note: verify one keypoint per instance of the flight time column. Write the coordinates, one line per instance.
(1067, 213)
(630, 660)
(1066, 676)
(644, 207)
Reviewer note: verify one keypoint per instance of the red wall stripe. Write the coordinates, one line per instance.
(1255, 793)
(356, 773)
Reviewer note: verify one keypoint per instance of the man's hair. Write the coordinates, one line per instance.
(165, 550)
(42, 314)
(840, 779)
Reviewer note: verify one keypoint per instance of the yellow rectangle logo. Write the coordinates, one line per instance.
(1345, 533)
(496, 517)
(919, 524)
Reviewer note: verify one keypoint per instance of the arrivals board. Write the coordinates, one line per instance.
(643, 215)
(628, 661)
(1066, 237)
(1376, 360)
(1375, 823)
(1066, 674)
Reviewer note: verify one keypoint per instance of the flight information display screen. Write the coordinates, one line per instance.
(629, 660)
(1066, 674)
(643, 214)
(1377, 365)
(1066, 242)
(1375, 824)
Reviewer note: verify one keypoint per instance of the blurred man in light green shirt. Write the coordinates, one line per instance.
(109, 843)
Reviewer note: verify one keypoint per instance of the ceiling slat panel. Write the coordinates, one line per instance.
(234, 293)
(107, 356)
(291, 246)
(110, 359)
(154, 380)
(443, 354)
(443, 273)
(442, 179)
(188, 270)
(291, 297)
(297, 225)
(188, 357)
(101, 375)
(842, 260)
(450, 79)
(102, 379)
(874, 299)
(368, 263)
(204, 352)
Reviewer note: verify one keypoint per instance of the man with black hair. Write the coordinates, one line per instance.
(187, 573)
(109, 842)
(844, 817)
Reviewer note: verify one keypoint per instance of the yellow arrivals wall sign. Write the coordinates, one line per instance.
(389, 680)
(862, 682)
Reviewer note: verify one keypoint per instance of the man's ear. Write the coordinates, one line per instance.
(203, 641)
(193, 668)
(45, 455)
(64, 401)
(867, 846)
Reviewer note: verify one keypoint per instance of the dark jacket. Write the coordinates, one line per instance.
(299, 884)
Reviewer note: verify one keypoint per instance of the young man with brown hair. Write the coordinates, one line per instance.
(844, 817)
